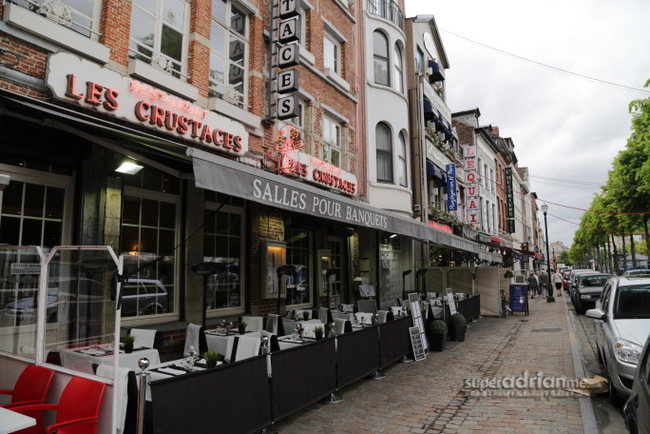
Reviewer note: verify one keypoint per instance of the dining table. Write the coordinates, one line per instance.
(219, 339)
(11, 421)
(104, 354)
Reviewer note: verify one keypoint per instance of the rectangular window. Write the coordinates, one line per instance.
(159, 30)
(228, 53)
(80, 16)
(331, 141)
(402, 170)
(223, 244)
(150, 212)
(298, 254)
(331, 54)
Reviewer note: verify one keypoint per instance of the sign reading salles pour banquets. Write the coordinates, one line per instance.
(92, 86)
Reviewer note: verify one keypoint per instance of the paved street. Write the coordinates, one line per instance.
(456, 391)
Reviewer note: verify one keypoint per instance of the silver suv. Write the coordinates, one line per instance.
(622, 317)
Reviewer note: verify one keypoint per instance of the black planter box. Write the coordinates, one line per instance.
(457, 333)
(437, 341)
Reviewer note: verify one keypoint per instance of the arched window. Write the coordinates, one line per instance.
(380, 52)
(384, 153)
(402, 172)
(398, 66)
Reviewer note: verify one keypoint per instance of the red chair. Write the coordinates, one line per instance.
(31, 388)
(78, 409)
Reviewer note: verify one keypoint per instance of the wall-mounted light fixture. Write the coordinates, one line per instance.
(129, 167)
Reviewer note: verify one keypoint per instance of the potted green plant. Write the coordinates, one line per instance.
(241, 327)
(318, 332)
(305, 315)
(509, 274)
(211, 358)
(458, 328)
(437, 334)
(128, 341)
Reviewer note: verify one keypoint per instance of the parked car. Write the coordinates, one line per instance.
(60, 290)
(637, 272)
(622, 317)
(588, 289)
(573, 280)
(144, 297)
(636, 410)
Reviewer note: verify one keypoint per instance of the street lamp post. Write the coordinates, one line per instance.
(549, 285)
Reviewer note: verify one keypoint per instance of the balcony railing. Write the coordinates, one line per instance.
(387, 9)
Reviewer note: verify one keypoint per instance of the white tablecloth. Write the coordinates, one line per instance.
(99, 356)
(219, 341)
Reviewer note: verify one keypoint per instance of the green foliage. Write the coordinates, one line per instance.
(242, 326)
(458, 319)
(211, 356)
(438, 326)
(318, 331)
(128, 340)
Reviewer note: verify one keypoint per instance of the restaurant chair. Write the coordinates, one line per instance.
(382, 316)
(272, 322)
(367, 318)
(253, 323)
(342, 326)
(325, 315)
(195, 336)
(147, 338)
(274, 345)
(78, 408)
(127, 391)
(30, 388)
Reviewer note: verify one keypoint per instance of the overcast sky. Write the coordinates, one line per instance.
(566, 129)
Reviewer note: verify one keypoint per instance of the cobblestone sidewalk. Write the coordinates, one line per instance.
(508, 376)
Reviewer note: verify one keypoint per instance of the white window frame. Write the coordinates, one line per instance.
(402, 161)
(331, 60)
(143, 193)
(47, 179)
(230, 94)
(386, 154)
(211, 206)
(158, 59)
(398, 68)
(326, 155)
(381, 59)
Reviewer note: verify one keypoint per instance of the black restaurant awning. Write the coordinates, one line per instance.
(439, 176)
(215, 173)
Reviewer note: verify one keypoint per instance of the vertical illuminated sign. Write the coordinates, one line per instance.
(510, 200)
(452, 198)
(471, 192)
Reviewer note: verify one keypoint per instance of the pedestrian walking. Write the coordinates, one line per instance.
(539, 286)
(543, 281)
(557, 280)
(532, 284)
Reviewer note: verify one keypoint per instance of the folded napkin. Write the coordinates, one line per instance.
(170, 371)
(92, 352)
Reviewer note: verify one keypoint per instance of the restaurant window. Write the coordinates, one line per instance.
(398, 66)
(402, 170)
(229, 53)
(159, 30)
(80, 16)
(331, 141)
(380, 56)
(331, 53)
(223, 239)
(34, 206)
(384, 153)
(298, 242)
(149, 237)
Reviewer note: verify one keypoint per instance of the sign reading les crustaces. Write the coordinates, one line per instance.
(92, 86)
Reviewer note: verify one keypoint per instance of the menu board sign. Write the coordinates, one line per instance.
(417, 344)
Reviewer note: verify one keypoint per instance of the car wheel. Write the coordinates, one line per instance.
(614, 398)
